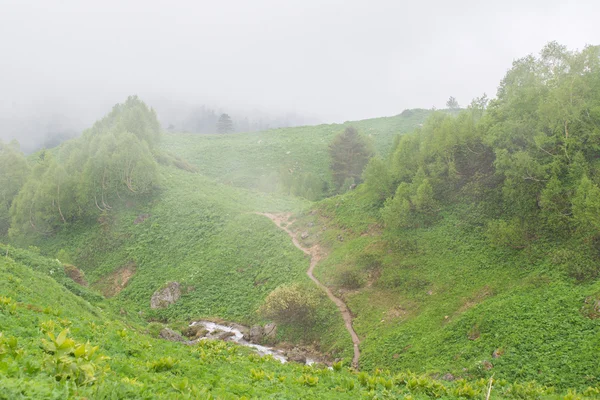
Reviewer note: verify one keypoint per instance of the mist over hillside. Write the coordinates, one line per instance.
(48, 123)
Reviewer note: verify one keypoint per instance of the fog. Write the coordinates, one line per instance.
(63, 64)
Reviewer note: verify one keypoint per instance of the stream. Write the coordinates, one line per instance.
(238, 337)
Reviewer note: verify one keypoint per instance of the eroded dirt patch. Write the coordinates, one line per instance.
(112, 284)
(75, 274)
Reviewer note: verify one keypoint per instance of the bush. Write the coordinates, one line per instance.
(290, 304)
(351, 279)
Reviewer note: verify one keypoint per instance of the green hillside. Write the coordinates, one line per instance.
(467, 254)
(263, 160)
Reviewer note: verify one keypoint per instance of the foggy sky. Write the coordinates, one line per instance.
(334, 60)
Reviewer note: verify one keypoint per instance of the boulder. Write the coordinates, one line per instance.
(296, 355)
(270, 330)
(224, 335)
(304, 235)
(165, 297)
(195, 331)
(171, 335)
(243, 329)
(255, 335)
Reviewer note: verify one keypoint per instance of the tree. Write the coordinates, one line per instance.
(377, 179)
(225, 124)
(15, 171)
(452, 103)
(349, 154)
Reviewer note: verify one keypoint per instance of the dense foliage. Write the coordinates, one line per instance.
(526, 164)
(83, 177)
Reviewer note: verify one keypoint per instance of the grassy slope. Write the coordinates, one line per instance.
(141, 367)
(254, 160)
(206, 236)
(441, 300)
(203, 233)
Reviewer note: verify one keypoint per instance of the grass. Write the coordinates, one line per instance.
(256, 160)
(440, 300)
(110, 356)
(435, 300)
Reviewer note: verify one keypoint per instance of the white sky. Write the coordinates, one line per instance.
(338, 60)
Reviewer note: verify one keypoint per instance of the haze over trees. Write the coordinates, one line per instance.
(452, 103)
(525, 165)
(349, 154)
(112, 160)
(224, 124)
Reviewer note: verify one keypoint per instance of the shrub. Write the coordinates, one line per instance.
(351, 279)
(290, 304)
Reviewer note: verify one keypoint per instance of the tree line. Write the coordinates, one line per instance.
(113, 160)
(524, 165)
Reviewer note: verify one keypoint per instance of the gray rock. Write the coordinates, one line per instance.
(243, 329)
(171, 335)
(195, 331)
(165, 297)
(224, 335)
(255, 335)
(296, 355)
(270, 330)
(304, 235)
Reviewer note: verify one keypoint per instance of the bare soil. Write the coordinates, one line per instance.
(112, 284)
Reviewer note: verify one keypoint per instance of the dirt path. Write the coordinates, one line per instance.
(315, 256)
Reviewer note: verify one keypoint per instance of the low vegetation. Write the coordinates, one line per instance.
(467, 253)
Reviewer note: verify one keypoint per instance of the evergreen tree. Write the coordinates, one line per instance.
(225, 124)
(349, 154)
(452, 103)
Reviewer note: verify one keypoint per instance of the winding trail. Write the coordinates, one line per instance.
(315, 256)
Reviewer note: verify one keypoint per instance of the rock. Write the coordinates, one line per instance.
(195, 331)
(304, 235)
(296, 355)
(224, 335)
(448, 377)
(243, 329)
(310, 224)
(270, 331)
(255, 335)
(171, 335)
(165, 297)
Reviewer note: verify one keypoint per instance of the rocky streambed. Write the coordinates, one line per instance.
(247, 337)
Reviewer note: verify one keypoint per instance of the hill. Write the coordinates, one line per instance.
(469, 253)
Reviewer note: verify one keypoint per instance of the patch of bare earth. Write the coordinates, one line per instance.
(75, 274)
(112, 284)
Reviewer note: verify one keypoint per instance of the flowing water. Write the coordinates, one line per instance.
(238, 337)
